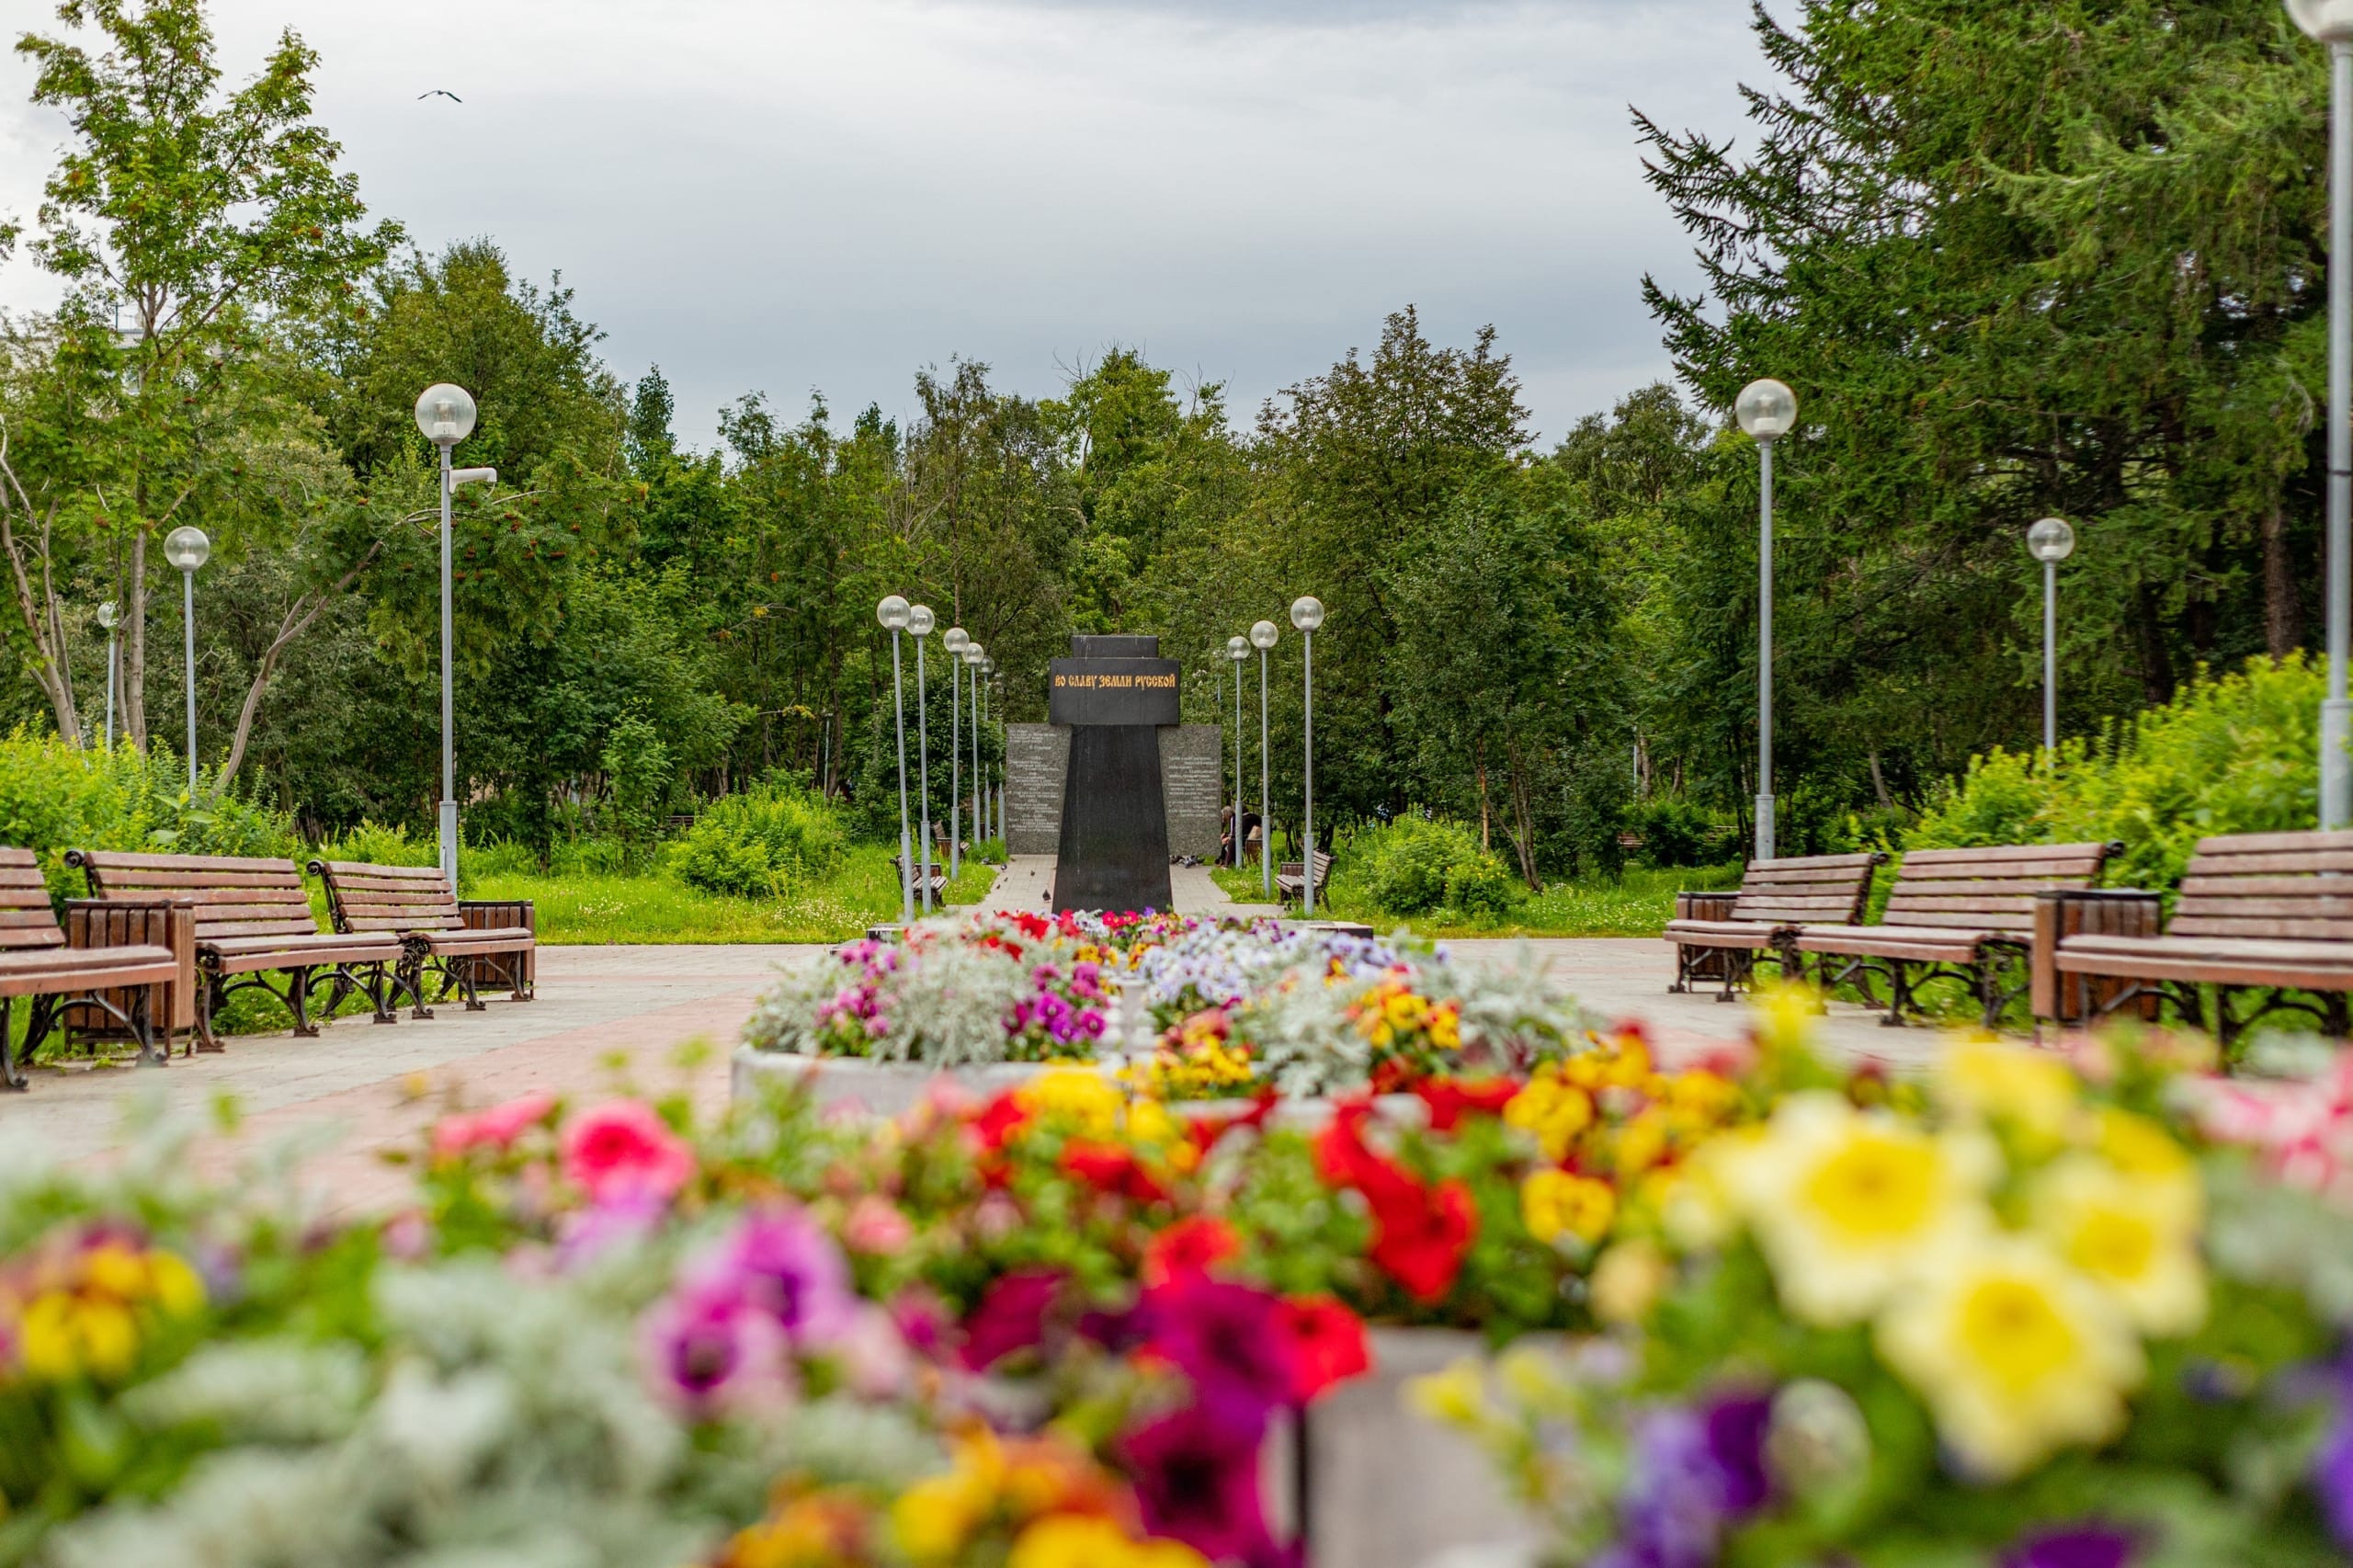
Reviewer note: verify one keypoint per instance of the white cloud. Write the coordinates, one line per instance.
(824, 194)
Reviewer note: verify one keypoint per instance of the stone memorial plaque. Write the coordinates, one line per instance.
(1112, 691)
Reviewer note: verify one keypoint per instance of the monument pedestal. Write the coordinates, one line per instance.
(1115, 694)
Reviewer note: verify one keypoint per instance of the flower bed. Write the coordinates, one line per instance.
(1241, 1010)
(2033, 1314)
(1056, 1325)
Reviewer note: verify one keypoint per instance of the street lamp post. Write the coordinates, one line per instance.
(111, 617)
(1307, 614)
(954, 639)
(893, 613)
(445, 415)
(2051, 542)
(988, 673)
(973, 655)
(1767, 410)
(1262, 637)
(188, 549)
(920, 621)
(1236, 650)
(2331, 22)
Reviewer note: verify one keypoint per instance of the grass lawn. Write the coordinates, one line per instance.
(588, 908)
(1637, 905)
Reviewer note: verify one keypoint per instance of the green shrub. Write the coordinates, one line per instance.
(375, 844)
(53, 798)
(2232, 754)
(761, 843)
(1674, 832)
(1414, 866)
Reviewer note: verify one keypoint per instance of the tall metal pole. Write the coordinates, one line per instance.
(955, 763)
(187, 624)
(923, 767)
(979, 781)
(1307, 769)
(1764, 653)
(1238, 754)
(906, 850)
(114, 669)
(2050, 660)
(1265, 790)
(448, 729)
(2336, 712)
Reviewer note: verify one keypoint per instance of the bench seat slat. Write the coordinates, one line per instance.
(1724, 933)
(2289, 862)
(2268, 842)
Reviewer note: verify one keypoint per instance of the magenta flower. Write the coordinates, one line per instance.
(1228, 1341)
(2081, 1546)
(712, 1350)
(622, 1150)
(1011, 1317)
(1196, 1485)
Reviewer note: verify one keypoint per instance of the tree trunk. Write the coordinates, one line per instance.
(1879, 785)
(299, 616)
(1479, 765)
(1524, 817)
(51, 664)
(2157, 661)
(2283, 605)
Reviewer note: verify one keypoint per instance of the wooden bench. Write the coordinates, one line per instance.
(471, 945)
(68, 982)
(1290, 880)
(939, 878)
(2267, 912)
(1957, 915)
(1719, 936)
(252, 920)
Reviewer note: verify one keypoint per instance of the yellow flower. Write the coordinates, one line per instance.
(1846, 1203)
(63, 1336)
(2031, 1089)
(1457, 1396)
(1554, 1202)
(2149, 1155)
(1642, 1142)
(1703, 1094)
(1082, 1540)
(1080, 1094)
(1444, 1026)
(2136, 1240)
(1628, 1280)
(1786, 1012)
(1551, 1109)
(174, 1284)
(2017, 1353)
(932, 1518)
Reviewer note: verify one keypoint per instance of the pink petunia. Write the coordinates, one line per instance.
(622, 1149)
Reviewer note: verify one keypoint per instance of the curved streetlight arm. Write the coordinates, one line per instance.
(472, 476)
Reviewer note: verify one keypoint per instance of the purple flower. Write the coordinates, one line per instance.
(587, 1235)
(1694, 1472)
(712, 1349)
(2080, 1546)
(1736, 1430)
(1196, 1485)
(780, 1261)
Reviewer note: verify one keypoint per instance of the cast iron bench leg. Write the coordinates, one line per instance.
(9, 1077)
(142, 1026)
(298, 996)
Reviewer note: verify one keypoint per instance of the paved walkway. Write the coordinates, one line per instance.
(1028, 880)
(661, 1018)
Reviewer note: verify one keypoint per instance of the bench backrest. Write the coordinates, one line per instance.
(2278, 885)
(365, 897)
(1809, 890)
(1989, 888)
(234, 896)
(26, 918)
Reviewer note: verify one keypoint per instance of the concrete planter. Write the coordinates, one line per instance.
(881, 1088)
(1388, 1489)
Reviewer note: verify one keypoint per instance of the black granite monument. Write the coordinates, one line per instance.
(1115, 693)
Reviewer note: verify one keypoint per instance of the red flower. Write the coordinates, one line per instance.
(1187, 1249)
(1108, 1168)
(1203, 1132)
(1450, 1098)
(1034, 926)
(1327, 1344)
(1420, 1242)
(997, 1121)
(1011, 1317)
(1345, 1160)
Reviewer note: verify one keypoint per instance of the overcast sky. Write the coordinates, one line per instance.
(789, 195)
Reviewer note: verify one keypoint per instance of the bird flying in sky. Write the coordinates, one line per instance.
(441, 93)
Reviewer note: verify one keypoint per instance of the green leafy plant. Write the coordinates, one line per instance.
(762, 843)
(1414, 866)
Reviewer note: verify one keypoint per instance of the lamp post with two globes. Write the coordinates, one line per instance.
(188, 549)
(1262, 637)
(1767, 410)
(1307, 614)
(445, 415)
(2051, 542)
(2331, 22)
(893, 613)
(954, 639)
